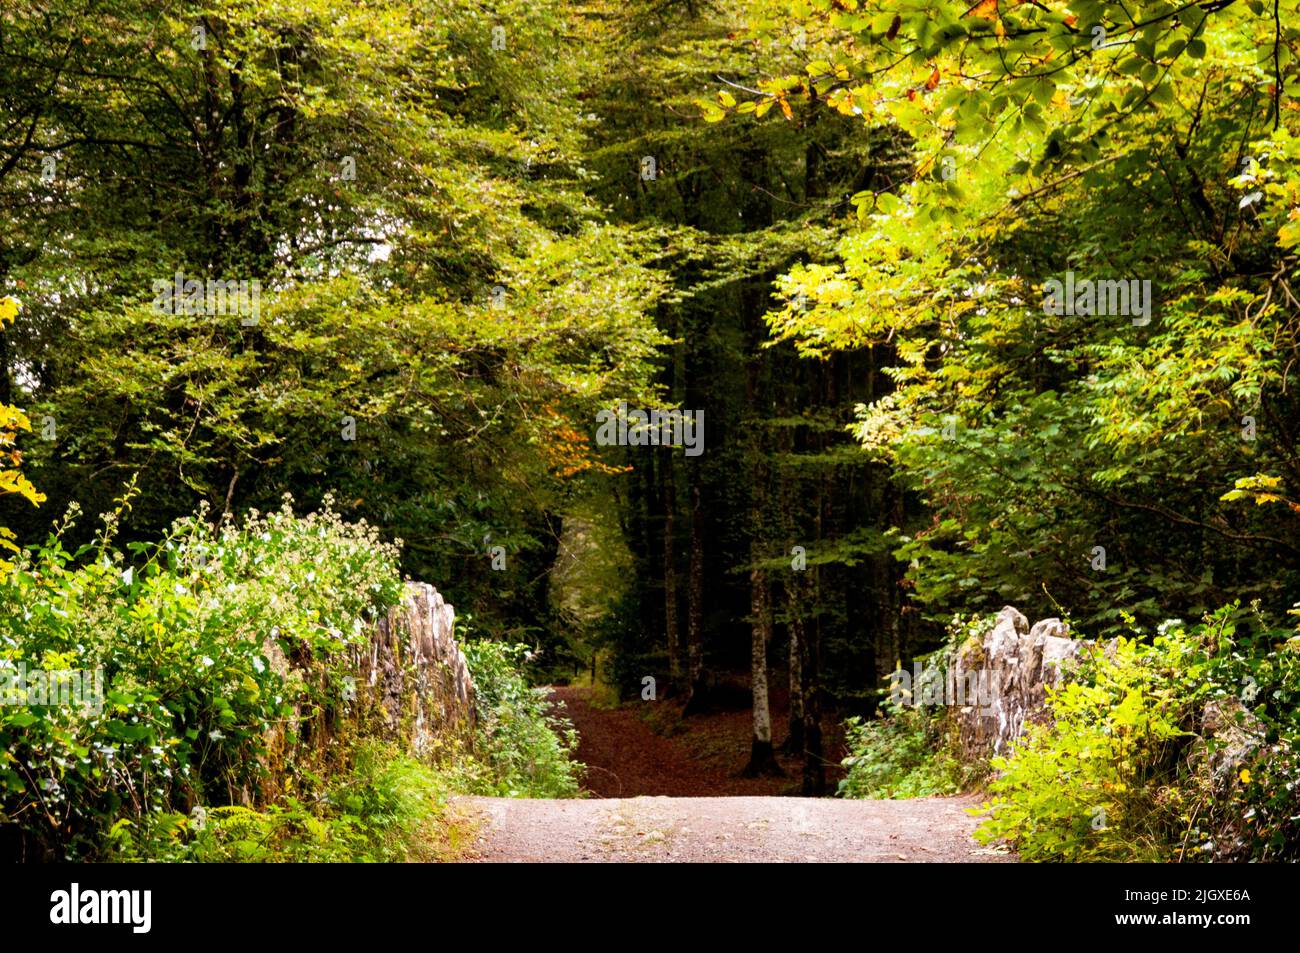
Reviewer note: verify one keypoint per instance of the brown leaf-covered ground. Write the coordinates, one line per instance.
(646, 747)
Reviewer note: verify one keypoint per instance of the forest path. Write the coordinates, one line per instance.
(647, 748)
(725, 829)
(647, 770)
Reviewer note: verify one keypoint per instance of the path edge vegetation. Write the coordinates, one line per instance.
(1173, 745)
(227, 731)
(466, 257)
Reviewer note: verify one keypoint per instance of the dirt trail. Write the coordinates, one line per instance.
(679, 757)
(645, 804)
(726, 829)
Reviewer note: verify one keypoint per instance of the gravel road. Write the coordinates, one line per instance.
(725, 830)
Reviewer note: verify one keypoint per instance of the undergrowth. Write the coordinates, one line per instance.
(220, 730)
(524, 748)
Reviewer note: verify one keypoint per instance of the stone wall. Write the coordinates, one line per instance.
(408, 684)
(1009, 671)
(412, 675)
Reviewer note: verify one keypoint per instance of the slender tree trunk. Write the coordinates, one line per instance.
(695, 611)
(230, 490)
(794, 741)
(762, 759)
(649, 523)
(793, 586)
(670, 576)
(6, 393)
(814, 767)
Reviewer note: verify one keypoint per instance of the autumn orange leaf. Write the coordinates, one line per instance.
(933, 81)
(984, 9)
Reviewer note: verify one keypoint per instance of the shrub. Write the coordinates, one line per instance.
(899, 756)
(211, 643)
(389, 808)
(524, 749)
(185, 636)
(1121, 770)
(908, 751)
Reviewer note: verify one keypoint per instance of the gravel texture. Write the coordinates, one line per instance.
(725, 830)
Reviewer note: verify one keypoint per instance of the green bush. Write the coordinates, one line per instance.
(1119, 772)
(523, 748)
(902, 755)
(186, 635)
(220, 733)
(390, 808)
(907, 751)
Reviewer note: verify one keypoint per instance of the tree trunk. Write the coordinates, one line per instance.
(6, 393)
(695, 611)
(794, 741)
(762, 760)
(814, 767)
(670, 576)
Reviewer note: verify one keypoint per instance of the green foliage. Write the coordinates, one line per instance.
(908, 749)
(908, 172)
(1087, 788)
(899, 754)
(380, 171)
(12, 420)
(1165, 154)
(1120, 769)
(187, 636)
(523, 748)
(390, 808)
(223, 650)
